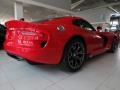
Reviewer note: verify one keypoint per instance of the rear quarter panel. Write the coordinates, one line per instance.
(58, 39)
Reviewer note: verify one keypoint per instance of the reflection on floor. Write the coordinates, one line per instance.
(99, 73)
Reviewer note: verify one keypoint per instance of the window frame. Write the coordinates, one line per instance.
(84, 23)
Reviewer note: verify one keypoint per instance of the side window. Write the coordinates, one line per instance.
(78, 23)
(83, 24)
(88, 27)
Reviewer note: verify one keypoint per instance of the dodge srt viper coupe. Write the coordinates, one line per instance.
(66, 41)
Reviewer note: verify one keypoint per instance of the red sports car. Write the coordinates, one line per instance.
(66, 41)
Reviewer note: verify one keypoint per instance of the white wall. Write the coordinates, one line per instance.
(96, 15)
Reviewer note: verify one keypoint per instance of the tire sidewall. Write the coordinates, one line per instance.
(65, 57)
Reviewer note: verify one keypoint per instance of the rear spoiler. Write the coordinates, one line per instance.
(18, 24)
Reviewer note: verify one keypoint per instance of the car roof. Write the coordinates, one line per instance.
(58, 18)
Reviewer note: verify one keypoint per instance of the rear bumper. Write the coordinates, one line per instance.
(40, 55)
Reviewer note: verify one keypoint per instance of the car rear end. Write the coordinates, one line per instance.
(29, 41)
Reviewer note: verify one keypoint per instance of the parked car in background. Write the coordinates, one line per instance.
(66, 41)
(2, 35)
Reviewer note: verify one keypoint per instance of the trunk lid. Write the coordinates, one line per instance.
(22, 33)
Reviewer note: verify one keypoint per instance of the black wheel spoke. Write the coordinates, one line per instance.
(76, 55)
(73, 55)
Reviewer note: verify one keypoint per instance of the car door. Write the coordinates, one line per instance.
(92, 36)
(92, 33)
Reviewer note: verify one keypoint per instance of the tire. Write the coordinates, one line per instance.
(114, 46)
(32, 63)
(1, 46)
(19, 59)
(15, 57)
(73, 56)
(11, 55)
